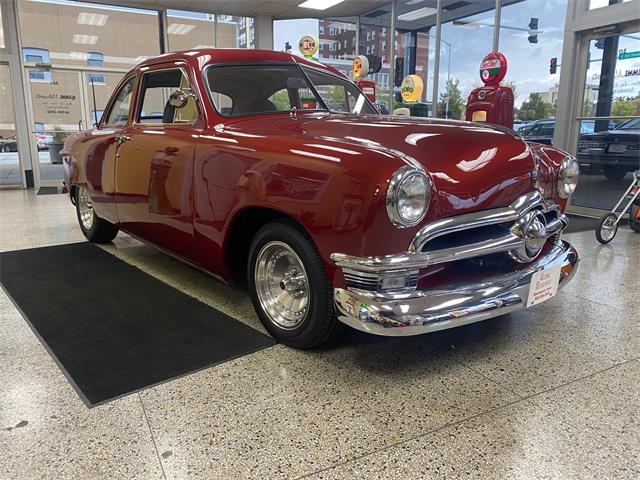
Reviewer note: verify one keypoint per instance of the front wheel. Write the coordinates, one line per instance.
(607, 228)
(289, 287)
(96, 229)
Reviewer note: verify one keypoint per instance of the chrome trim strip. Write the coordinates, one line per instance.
(427, 311)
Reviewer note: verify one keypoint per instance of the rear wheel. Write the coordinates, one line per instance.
(607, 228)
(615, 173)
(96, 229)
(289, 287)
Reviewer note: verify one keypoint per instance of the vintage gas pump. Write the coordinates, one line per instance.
(492, 103)
(363, 65)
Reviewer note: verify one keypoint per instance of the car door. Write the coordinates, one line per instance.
(99, 151)
(154, 166)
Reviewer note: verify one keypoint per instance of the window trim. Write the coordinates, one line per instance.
(123, 82)
(140, 100)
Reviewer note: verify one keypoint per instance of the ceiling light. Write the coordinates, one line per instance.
(180, 28)
(85, 39)
(320, 4)
(416, 14)
(93, 19)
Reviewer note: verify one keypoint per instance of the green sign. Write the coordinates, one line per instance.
(628, 55)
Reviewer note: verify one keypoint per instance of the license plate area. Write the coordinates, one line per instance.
(617, 148)
(544, 285)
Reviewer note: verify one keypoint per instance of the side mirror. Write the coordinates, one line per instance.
(179, 98)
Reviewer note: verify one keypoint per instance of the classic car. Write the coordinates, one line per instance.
(615, 152)
(332, 215)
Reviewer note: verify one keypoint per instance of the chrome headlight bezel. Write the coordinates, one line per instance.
(395, 190)
(568, 176)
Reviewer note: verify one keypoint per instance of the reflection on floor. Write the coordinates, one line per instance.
(552, 392)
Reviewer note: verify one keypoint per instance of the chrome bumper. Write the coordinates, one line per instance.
(417, 312)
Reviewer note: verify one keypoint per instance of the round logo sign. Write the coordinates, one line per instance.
(360, 66)
(308, 45)
(411, 88)
(493, 68)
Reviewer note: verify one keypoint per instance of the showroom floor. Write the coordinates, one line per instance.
(549, 393)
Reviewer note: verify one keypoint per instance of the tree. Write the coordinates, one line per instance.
(456, 105)
(535, 108)
(625, 108)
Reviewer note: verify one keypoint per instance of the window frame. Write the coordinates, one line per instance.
(140, 99)
(110, 106)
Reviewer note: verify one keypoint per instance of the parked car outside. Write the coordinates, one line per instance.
(8, 145)
(43, 140)
(333, 215)
(615, 152)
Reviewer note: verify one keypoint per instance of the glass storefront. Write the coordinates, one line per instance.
(609, 143)
(9, 156)
(187, 30)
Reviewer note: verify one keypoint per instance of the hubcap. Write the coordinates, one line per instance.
(85, 207)
(609, 228)
(282, 285)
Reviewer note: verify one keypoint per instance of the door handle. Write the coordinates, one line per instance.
(120, 139)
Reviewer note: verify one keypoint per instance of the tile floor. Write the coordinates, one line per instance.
(549, 393)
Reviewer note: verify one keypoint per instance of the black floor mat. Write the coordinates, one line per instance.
(48, 191)
(112, 328)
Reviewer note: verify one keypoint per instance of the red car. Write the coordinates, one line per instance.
(265, 167)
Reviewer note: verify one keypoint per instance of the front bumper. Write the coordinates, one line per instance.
(420, 311)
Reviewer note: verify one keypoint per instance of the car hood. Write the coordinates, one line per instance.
(472, 166)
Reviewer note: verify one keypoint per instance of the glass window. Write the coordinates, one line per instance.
(375, 39)
(2, 45)
(339, 95)
(154, 103)
(244, 90)
(71, 31)
(95, 59)
(604, 3)
(531, 34)
(37, 55)
(119, 113)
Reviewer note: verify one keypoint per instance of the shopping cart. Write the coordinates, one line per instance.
(608, 224)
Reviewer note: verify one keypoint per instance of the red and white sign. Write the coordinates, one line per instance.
(544, 285)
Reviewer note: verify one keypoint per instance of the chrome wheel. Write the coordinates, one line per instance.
(282, 285)
(609, 228)
(85, 208)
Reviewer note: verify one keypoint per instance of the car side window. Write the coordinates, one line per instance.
(154, 106)
(119, 113)
(546, 129)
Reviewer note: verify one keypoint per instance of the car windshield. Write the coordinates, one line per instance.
(254, 89)
(633, 124)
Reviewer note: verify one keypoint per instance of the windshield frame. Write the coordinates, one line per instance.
(311, 86)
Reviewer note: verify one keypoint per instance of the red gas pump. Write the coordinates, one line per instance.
(368, 87)
(492, 103)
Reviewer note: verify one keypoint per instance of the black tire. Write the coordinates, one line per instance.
(615, 173)
(634, 220)
(319, 323)
(101, 230)
(607, 217)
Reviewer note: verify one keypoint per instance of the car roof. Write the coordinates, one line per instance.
(213, 56)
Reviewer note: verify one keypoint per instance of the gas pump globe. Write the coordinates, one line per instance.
(492, 103)
(363, 65)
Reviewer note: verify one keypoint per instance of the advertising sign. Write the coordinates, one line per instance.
(411, 88)
(493, 68)
(308, 45)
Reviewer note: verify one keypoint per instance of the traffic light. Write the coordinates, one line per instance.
(533, 30)
(600, 43)
(553, 65)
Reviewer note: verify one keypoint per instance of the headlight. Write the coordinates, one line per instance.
(568, 176)
(408, 197)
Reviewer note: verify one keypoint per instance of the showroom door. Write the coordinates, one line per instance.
(10, 170)
(608, 145)
(64, 101)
